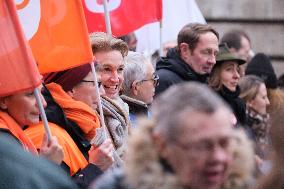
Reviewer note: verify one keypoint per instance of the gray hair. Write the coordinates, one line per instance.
(135, 69)
(180, 100)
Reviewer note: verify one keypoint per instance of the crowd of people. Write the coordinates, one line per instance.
(207, 114)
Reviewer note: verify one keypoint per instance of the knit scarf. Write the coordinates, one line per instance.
(73, 157)
(8, 123)
(77, 111)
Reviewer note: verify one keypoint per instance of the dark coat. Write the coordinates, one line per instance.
(20, 169)
(136, 108)
(172, 70)
(237, 105)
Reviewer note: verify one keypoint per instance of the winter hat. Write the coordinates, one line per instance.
(68, 79)
(260, 65)
(225, 55)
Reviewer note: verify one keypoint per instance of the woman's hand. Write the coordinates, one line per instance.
(101, 155)
(52, 150)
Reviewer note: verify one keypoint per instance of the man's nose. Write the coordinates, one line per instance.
(220, 155)
(212, 59)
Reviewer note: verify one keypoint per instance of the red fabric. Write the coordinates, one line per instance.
(126, 17)
(8, 123)
(18, 68)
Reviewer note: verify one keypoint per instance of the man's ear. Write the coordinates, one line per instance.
(3, 104)
(184, 48)
(134, 88)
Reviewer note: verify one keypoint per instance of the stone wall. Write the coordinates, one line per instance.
(263, 20)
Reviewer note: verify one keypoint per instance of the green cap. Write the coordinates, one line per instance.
(224, 54)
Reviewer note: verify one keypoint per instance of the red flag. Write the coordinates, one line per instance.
(125, 15)
(57, 32)
(17, 65)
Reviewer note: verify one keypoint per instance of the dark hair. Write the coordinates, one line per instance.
(280, 81)
(233, 38)
(190, 34)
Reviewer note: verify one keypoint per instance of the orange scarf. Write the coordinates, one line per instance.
(77, 111)
(7, 122)
(73, 157)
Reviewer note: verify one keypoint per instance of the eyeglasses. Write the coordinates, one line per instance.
(205, 147)
(90, 81)
(155, 79)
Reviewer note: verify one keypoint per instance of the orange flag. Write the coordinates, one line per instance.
(17, 65)
(57, 33)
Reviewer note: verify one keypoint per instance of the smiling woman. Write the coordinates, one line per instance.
(110, 53)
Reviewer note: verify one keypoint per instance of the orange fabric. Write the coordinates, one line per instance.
(7, 122)
(18, 68)
(60, 40)
(72, 155)
(77, 111)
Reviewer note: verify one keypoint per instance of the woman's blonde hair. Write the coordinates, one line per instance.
(214, 80)
(250, 85)
(101, 41)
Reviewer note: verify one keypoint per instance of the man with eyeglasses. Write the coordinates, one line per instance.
(139, 85)
(193, 134)
(192, 59)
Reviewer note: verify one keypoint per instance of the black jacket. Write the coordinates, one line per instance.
(237, 104)
(136, 107)
(55, 114)
(172, 70)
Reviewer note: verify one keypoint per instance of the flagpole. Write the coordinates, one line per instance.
(107, 18)
(161, 39)
(42, 114)
(99, 99)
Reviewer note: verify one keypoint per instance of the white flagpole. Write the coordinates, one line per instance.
(107, 18)
(161, 39)
(99, 100)
(42, 114)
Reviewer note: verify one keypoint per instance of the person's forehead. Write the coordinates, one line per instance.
(203, 125)
(208, 41)
(109, 57)
(245, 43)
(89, 76)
